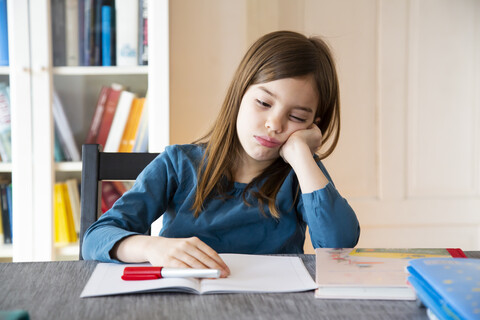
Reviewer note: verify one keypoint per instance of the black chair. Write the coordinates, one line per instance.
(99, 166)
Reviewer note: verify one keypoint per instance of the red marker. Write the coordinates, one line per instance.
(153, 273)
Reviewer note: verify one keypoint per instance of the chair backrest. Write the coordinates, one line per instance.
(98, 166)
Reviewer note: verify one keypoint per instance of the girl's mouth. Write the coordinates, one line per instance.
(268, 142)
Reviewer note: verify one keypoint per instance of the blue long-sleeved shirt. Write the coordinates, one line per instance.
(167, 186)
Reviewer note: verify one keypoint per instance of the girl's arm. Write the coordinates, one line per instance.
(170, 252)
(332, 222)
(298, 152)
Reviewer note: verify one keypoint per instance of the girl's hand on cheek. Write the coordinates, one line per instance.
(184, 253)
(300, 141)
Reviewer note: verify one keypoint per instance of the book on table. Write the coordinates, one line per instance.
(378, 274)
(249, 273)
(449, 288)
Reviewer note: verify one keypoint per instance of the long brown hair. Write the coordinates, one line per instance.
(277, 55)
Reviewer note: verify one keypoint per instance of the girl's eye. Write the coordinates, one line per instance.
(294, 118)
(263, 104)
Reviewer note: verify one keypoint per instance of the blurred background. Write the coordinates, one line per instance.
(408, 156)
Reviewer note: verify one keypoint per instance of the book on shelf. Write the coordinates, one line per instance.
(88, 32)
(58, 32)
(81, 33)
(6, 214)
(127, 32)
(58, 154)
(4, 59)
(8, 190)
(63, 216)
(65, 136)
(71, 32)
(108, 113)
(97, 36)
(98, 114)
(449, 288)
(74, 197)
(248, 273)
(5, 124)
(1, 225)
(119, 121)
(143, 32)
(378, 274)
(106, 35)
(2, 236)
(131, 127)
(141, 136)
(111, 192)
(84, 42)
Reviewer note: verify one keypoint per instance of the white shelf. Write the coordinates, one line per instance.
(5, 167)
(4, 70)
(67, 251)
(6, 250)
(70, 166)
(75, 71)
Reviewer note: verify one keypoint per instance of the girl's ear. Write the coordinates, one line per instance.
(317, 121)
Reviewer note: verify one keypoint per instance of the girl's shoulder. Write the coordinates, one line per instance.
(185, 150)
(181, 153)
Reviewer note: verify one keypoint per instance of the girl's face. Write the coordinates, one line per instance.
(270, 112)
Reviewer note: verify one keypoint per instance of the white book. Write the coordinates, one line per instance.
(64, 129)
(127, 32)
(71, 32)
(119, 121)
(248, 273)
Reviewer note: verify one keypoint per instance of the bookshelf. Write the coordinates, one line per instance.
(78, 71)
(33, 79)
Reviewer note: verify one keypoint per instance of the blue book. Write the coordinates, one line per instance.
(106, 35)
(3, 34)
(450, 288)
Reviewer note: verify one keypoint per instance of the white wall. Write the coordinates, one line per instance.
(408, 158)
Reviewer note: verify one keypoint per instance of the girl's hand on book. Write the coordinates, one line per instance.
(184, 253)
(299, 141)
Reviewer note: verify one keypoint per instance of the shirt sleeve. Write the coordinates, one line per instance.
(331, 221)
(135, 211)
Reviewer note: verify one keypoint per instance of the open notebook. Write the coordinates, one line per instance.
(249, 273)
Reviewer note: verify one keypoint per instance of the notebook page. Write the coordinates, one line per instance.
(106, 280)
(260, 273)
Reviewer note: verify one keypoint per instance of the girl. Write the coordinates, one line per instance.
(254, 182)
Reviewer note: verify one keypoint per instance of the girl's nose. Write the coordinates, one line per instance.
(274, 124)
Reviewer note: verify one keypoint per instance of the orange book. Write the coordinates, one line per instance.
(128, 126)
(128, 138)
(133, 136)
